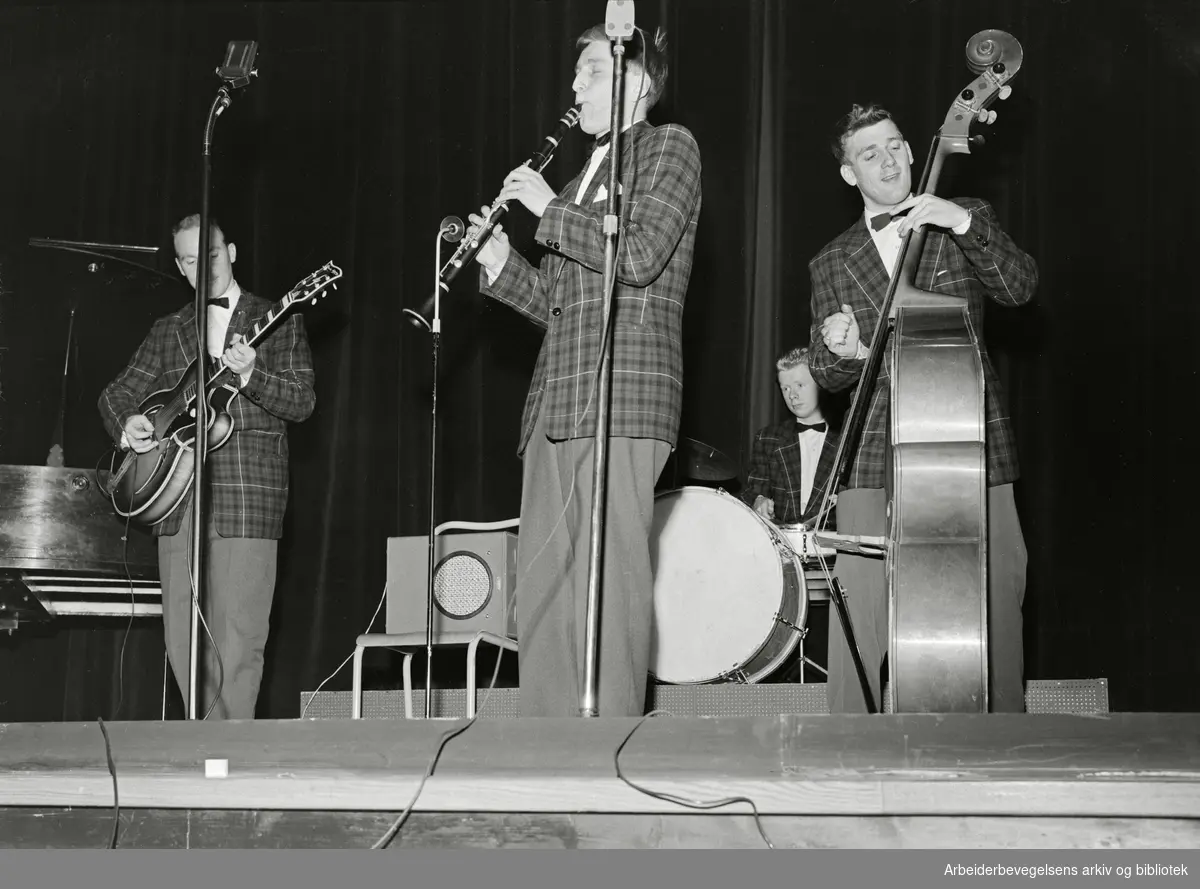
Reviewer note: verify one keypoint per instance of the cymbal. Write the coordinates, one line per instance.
(704, 462)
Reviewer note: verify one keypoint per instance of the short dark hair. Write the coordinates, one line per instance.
(192, 220)
(857, 118)
(650, 56)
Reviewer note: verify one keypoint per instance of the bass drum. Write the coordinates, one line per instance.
(730, 602)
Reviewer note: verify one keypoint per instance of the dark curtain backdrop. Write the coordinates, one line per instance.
(371, 121)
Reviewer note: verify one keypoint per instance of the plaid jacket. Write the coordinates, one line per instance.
(775, 462)
(981, 263)
(661, 202)
(249, 474)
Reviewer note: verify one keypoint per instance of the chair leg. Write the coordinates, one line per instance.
(408, 701)
(472, 650)
(356, 684)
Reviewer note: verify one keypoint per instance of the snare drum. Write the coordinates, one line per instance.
(730, 602)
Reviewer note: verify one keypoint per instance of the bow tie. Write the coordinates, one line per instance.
(222, 301)
(880, 221)
(604, 139)
(815, 427)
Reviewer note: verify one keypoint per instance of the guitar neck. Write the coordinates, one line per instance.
(262, 327)
(310, 289)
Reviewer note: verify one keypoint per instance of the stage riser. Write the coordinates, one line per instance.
(214, 829)
(1068, 696)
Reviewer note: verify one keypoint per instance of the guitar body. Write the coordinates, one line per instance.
(936, 486)
(146, 488)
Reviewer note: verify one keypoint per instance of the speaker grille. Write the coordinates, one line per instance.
(462, 585)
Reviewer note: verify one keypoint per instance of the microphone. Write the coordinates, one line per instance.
(452, 229)
(618, 23)
(239, 63)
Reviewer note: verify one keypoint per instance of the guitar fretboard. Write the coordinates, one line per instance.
(308, 289)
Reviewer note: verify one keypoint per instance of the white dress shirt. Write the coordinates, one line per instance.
(812, 443)
(218, 321)
(598, 155)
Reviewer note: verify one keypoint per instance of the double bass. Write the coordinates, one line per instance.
(936, 466)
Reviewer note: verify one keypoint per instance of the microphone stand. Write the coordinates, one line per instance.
(232, 76)
(57, 456)
(451, 230)
(588, 707)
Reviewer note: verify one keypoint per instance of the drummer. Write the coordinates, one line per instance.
(791, 460)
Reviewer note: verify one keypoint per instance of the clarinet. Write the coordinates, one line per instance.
(470, 246)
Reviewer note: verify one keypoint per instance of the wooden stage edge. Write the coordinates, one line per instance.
(948, 781)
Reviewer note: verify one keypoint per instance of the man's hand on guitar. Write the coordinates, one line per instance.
(139, 434)
(239, 357)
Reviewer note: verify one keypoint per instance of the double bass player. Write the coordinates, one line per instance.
(966, 254)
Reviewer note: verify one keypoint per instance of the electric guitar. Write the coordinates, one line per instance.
(146, 488)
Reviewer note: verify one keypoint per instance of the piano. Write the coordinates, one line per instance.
(74, 311)
(64, 552)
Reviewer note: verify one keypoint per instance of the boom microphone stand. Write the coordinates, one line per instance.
(619, 27)
(235, 73)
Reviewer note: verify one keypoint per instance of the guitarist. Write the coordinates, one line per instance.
(248, 476)
(966, 254)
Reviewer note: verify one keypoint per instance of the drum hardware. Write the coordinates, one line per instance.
(736, 676)
(780, 619)
(858, 544)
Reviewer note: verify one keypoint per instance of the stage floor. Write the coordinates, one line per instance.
(1041, 781)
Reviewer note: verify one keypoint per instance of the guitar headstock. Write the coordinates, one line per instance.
(314, 286)
(995, 57)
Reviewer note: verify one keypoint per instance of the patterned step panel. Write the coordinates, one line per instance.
(1083, 696)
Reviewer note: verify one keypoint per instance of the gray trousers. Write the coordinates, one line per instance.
(552, 574)
(863, 511)
(237, 609)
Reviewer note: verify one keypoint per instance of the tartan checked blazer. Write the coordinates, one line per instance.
(661, 203)
(249, 474)
(981, 263)
(775, 462)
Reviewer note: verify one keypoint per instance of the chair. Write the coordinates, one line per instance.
(417, 640)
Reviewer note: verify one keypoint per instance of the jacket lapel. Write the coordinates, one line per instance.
(863, 264)
(824, 468)
(789, 455)
(240, 321)
(600, 178)
(187, 332)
